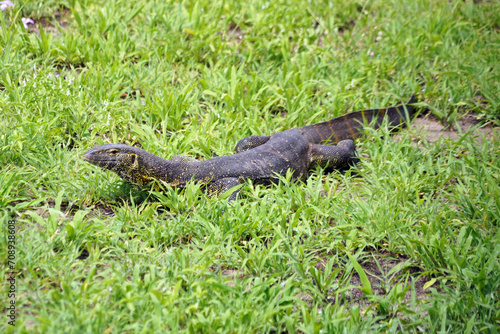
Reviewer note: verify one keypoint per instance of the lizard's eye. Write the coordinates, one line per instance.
(113, 151)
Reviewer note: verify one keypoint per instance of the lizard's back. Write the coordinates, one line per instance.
(285, 150)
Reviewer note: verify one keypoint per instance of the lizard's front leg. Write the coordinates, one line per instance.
(338, 156)
(220, 186)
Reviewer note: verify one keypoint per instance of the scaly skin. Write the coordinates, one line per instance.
(260, 158)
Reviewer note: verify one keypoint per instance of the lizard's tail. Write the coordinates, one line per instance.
(350, 126)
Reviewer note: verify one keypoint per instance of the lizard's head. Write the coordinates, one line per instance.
(126, 161)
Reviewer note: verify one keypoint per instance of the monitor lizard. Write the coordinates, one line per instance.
(259, 158)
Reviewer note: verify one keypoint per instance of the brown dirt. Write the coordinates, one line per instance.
(48, 23)
(430, 129)
(377, 270)
(234, 34)
(377, 275)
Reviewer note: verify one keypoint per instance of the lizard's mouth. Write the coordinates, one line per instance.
(107, 163)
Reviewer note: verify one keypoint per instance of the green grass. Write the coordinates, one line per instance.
(407, 241)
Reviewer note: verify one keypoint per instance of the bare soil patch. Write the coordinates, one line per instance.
(430, 128)
(383, 277)
(52, 24)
